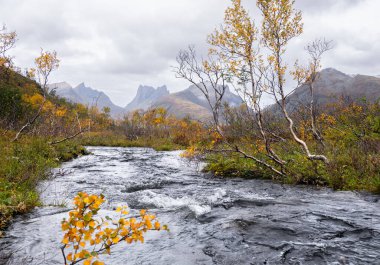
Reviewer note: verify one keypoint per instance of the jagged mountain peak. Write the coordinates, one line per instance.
(145, 96)
(88, 96)
(162, 88)
(189, 102)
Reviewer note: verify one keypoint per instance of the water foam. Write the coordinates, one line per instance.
(167, 202)
(219, 194)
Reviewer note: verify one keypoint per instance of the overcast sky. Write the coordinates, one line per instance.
(115, 45)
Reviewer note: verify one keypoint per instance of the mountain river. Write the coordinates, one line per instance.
(211, 220)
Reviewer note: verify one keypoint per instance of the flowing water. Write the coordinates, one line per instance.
(211, 220)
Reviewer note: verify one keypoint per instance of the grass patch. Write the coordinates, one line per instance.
(116, 140)
(23, 165)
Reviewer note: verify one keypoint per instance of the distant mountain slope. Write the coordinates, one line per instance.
(87, 96)
(65, 90)
(332, 85)
(189, 102)
(146, 96)
(181, 108)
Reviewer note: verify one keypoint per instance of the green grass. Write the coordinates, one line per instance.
(341, 174)
(233, 165)
(116, 140)
(23, 165)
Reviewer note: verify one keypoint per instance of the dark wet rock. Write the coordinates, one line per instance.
(209, 251)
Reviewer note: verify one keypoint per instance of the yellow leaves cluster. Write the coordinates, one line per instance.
(327, 119)
(7, 41)
(280, 24)
(60, 112)
(35, 100)
(233, 43)
(190, 152)
(47, 62)
(89, 236)
(300, 74)
(157, 116)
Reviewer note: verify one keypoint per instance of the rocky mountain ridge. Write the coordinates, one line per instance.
(87, 96)
(330, 86)
(146, 96)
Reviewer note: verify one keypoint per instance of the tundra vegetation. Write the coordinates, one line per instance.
(335, 145)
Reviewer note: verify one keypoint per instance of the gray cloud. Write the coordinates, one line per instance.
(115, 45)
(319, 7)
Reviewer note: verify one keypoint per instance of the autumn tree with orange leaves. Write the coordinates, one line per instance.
(45, 64)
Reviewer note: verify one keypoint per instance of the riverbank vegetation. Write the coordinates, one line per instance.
(351, 141)
(153, 128)
(22, 166)
(334, 143)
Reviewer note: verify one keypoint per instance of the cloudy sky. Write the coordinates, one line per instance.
(115, 45)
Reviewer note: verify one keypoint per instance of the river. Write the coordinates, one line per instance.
(211, 220)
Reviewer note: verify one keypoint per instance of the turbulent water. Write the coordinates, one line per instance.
(211, 221)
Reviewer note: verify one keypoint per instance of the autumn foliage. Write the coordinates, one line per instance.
(308, 142)
(88, 235)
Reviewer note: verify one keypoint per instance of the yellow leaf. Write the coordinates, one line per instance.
(65, 240)
(92, 224)
(65, 226)
(79, 224)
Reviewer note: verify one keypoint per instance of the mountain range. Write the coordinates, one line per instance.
(186, 103)
(87, 96)
(330, 86)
